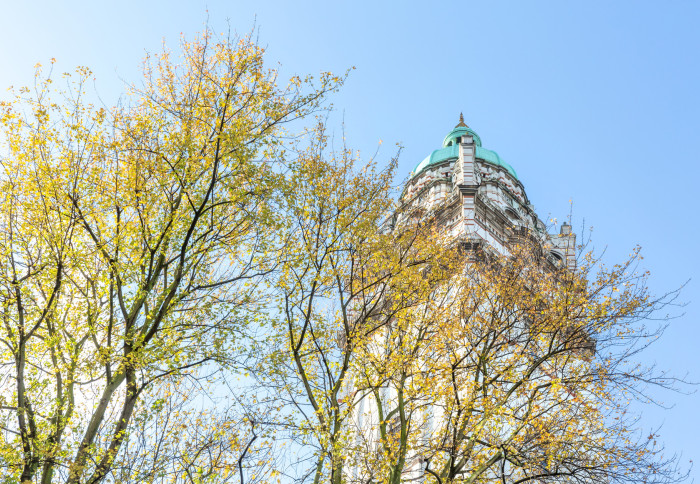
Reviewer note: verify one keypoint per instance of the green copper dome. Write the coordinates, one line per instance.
(450, 150)
(437, 156)
(458, 132)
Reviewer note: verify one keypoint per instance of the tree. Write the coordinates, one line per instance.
(152, 253)
(517, 371)
(132, 243)
(395, 354)
(334, 292)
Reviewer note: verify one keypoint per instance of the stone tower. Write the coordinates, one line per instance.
(474, 196)
(478, 198)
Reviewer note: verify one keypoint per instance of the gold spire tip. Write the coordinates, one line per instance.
(461, 121)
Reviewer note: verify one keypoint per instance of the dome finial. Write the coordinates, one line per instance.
(461, 121)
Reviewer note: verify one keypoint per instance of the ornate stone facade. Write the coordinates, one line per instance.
(475, 196)
(478, 197)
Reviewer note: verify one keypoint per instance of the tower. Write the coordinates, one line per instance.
(474, 197)
(478, 197)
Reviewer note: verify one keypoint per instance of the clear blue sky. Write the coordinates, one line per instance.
(595, 102)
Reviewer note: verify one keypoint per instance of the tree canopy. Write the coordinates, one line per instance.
(197, 286)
